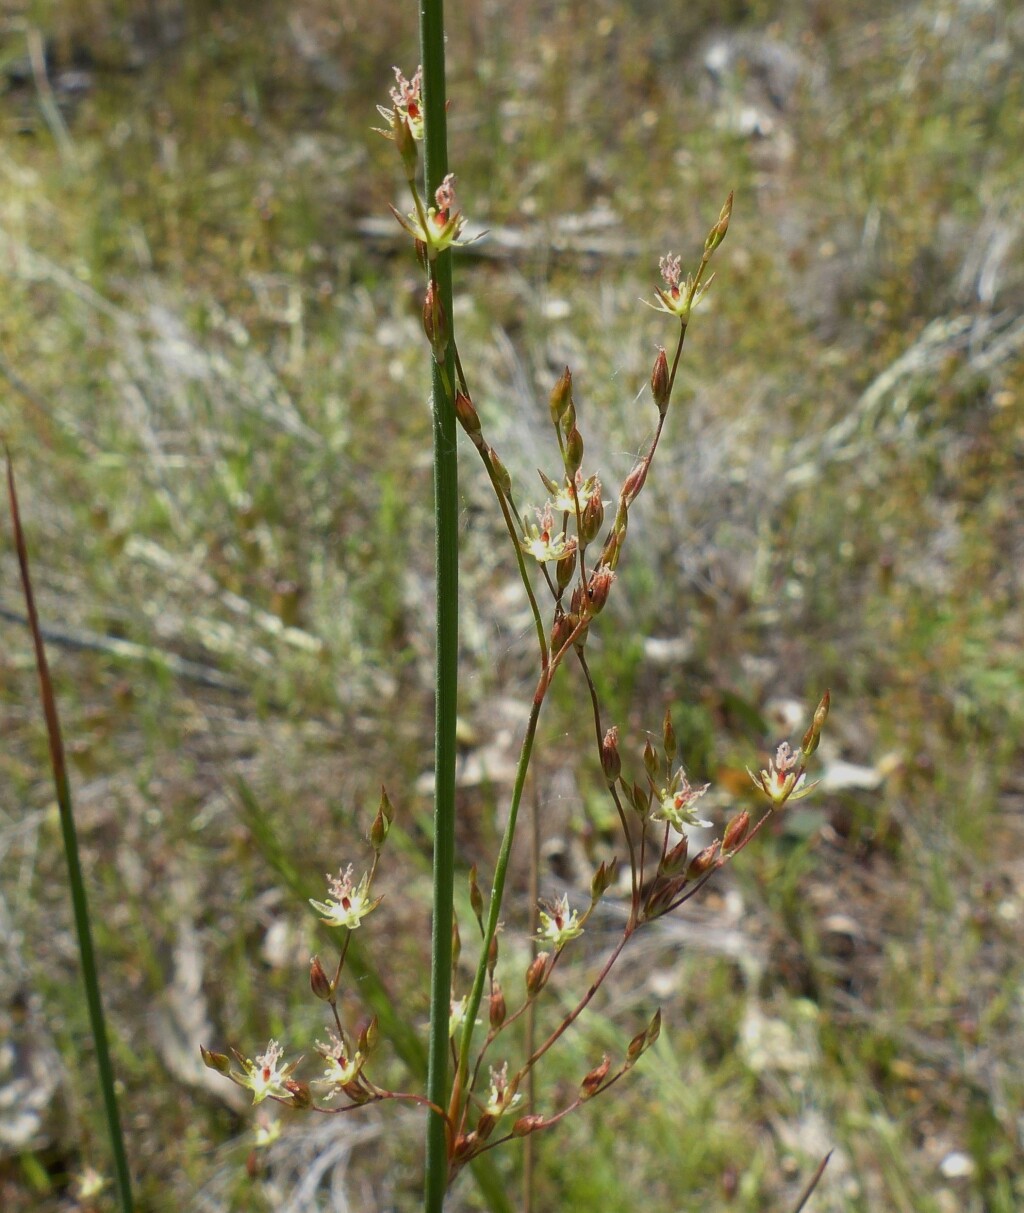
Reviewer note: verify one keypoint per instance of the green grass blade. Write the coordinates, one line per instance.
(79, 901)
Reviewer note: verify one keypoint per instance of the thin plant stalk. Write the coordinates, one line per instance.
(79, 901)
(447, 623)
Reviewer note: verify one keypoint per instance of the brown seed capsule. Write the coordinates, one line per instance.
(611, 762)
(497, 1007)
(466, 413)
(660, 382)
(591, 1084)
(736, 831)
(600, 587)
(435, 321)
(536, 974)
(704, 861)
(527, 1124)
(573, 452)
(319, 982)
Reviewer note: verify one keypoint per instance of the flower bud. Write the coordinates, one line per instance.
(669, 738)
(675, 861)
(611, 761)
(319, 982)
(634, 482)
(492, 954)
(717, 233)
(561, 396)
(216, 1061)
(500, 472)
(813, 734)
(435, 321)
(485, 1126)
(704, 861)
(573, 452)
(405, 142)
(528, 1124)
(591, 1084)
(468, 417)
(456, 943)
(660, 382)
(592, 518)
(368, 1037)
(561, 630)
(736, 831)
(498, 1009)
(301, 1096)
(603, 879)
(564, 570)
(600, 587)
(650, 759)
(536, 974)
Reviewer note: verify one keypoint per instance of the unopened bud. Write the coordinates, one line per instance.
(603, 879)
(704, 861)
(561, 396)
(500, 472)
(641, 798)
(319, 982)
(564, 569)
(650, 759)
(736, 831)
(634, 482)
(498, 1009)
(456, 943)
(368, 1037)
(468, 417)
(660, 382)
(592, 518)
(492, 954)
(526, 1125)
(485, 1126)
(573, 452)
(611, 761)
(406, 143)
(675, 860)
(591, 1084)
(813, 734)
(717, 233)
(600, 587)
(435, 321)
(669, 738)
(613, 544)
(561, 630)
(300, 1093)
(536, 974)
(216, 1061)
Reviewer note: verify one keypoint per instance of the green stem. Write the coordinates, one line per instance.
(79, 901)
(447, 625)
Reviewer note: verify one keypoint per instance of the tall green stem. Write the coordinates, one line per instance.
(76, 881)
(447, 592)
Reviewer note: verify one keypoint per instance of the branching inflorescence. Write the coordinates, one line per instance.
(576, 568)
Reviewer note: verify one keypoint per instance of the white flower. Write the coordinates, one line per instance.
(558, 924)
(784, 778)
(675, 803)
(542, 544)
(263, 1077)
(343, 1063)
(502, 1095)
(347, 905)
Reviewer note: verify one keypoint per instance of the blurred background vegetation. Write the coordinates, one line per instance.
(212, 382)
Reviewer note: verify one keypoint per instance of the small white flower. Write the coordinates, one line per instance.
(347, 905)
(784, 778)
(263, 1077)
(558, 924)
(542, 543)
(675, 803)
(502, 1095)
(343, 1063)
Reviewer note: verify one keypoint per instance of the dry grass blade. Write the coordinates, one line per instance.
(815, 1178)
(90, 977)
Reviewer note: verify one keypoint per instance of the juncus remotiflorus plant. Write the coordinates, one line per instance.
(567, 551)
